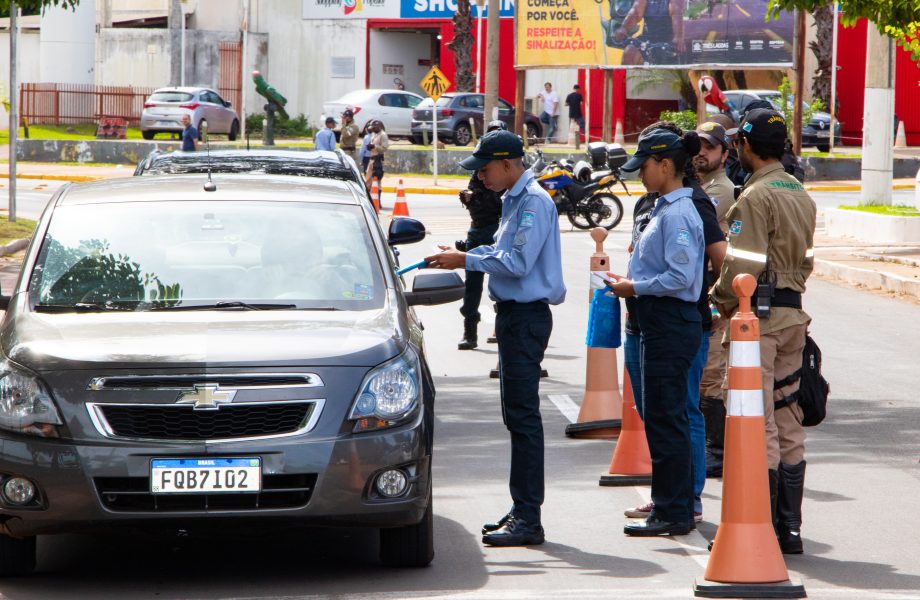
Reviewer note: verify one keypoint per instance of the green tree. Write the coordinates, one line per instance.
(898, 19)
(34, 7)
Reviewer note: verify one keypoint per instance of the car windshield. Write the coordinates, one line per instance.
(174, 255)
(308, 165)
(170, 97)
(442, 101)
(776, 101)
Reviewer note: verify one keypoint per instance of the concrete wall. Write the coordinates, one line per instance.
(67, 52)
(137, 57)
(398, 49)
(29, 69)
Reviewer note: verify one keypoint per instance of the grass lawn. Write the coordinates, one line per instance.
(83, 131)
(22, 228)
(899, 210)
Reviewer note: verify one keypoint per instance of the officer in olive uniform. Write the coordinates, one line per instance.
(525, 277)
(348, 141)
(771, 236)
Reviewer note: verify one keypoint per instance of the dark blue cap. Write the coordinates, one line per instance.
(495, 145)
(657, 141)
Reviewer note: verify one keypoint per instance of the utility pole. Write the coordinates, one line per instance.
(799, 92)
(479, 6)
(878, 119)
(174, 20)
(14, 107)
(491, 99)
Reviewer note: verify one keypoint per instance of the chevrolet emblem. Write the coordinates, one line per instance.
(206, 397)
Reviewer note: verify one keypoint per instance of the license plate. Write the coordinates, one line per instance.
(205, 475)
(166, 123)
(824, 133)
(425, 126)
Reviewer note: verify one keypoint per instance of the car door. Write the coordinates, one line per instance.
(225, 114)
(402, 111)
(506, 113)
(387, 113)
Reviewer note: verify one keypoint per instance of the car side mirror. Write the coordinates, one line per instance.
(437, 287)
(405, 230)
(227, 103)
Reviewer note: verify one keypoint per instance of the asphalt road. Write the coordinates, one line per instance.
(860, 513)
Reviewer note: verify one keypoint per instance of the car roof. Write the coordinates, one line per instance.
(273, 188)
(182, 89)
(313, 163)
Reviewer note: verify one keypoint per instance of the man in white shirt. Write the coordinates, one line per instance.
(551, 108)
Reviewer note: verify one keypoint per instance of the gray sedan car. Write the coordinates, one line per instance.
(175, 356)
(164, 109)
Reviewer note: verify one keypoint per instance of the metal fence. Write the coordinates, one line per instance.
(231, 74)
(72, 103)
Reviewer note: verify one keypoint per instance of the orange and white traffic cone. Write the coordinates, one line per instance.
(600, 416)
(631, 463)
(746, 561)
(400, 209)
(375, 195)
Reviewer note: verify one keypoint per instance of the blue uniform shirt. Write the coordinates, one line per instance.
(325, 139)
(667, 258)
(189, 135)
(525, 262)
(364, 152)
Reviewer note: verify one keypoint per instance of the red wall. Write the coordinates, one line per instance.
(851, 79)
(505, 58)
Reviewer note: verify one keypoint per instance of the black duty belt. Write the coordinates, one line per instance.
(786, 298)
(348, 149)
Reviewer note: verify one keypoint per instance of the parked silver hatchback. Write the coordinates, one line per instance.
(164, 109)
(175, 356)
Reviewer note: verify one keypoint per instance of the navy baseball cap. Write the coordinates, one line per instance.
(495, 145)
(657, 141)
(762, 125)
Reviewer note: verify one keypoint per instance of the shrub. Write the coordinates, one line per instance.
(296, 127)
(685, 119)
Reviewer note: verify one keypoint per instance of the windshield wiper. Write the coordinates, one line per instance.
(230, 305)
(79, 307)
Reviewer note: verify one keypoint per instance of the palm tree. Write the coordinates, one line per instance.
(462, 47)
(823, 48)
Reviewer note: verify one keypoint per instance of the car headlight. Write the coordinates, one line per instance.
(389, 394)
(25, 404)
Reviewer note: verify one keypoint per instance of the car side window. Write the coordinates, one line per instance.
(399, 101)
(413, 101)
(386, 100)
(503, 106)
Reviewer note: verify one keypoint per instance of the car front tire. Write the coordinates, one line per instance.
(462, 134)
(234, 131)
(824, 147)
(148, 135)
(17, 556)
(410, 546)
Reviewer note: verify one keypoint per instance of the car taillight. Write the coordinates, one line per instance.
(446, 112)
(149, 104)
(356, 110)
(414, 114)
(190, 105)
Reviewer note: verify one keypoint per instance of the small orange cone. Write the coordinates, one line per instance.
(746, 561)
(375, 195)
(400, 209)
(631, 463)
(600, 416)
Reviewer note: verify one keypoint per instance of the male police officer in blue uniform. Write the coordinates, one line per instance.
(525, 268)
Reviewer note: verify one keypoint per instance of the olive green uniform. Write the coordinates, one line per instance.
(773, 222)
(349, 140)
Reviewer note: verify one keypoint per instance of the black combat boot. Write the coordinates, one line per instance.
(789, 507)
(713, 410)
(470, 337)
(774, 495)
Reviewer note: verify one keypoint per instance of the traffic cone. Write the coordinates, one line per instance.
(400, 209)
(600, 416)
(375, 195)
(900, 138)
(631, 463)
(746, 561)
(618, 134)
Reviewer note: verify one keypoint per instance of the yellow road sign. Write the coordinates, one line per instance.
(435, 83)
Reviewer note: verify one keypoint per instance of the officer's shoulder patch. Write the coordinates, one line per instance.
(735, 227)
(681, 257)
(786, 185)
(527, 218)
(683, 237)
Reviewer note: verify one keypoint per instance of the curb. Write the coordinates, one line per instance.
(875, 280)
(75, 178)
(14, 246)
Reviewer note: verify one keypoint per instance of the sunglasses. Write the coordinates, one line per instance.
(737, 141)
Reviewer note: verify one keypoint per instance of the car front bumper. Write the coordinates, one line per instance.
(102, 486)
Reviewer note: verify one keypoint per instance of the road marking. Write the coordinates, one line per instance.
(743, 12)
(566, 406)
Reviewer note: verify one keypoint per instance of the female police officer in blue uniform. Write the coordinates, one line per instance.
(525, 277)
(665, 275)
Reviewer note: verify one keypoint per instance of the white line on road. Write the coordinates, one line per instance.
(566, 406)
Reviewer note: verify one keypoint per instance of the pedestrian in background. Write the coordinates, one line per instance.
(714, 253)
(325, 138)
(348, 138)
(365, 152)
(525, 277)
(485, 208)
(574, 101)
(771, 236)
(710, 164)
(189, 135)
(378, 145)
(665, 275)
(550, 114)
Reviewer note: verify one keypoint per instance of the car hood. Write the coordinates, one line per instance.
(44, 342)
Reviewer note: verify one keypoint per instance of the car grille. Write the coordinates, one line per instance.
(187, 382)
(183, 422)
(132, 494)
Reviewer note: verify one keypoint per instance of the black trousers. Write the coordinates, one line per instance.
(523, 331)
(671, 336)
(476, 236)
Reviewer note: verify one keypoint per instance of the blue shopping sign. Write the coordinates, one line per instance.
(444, 9)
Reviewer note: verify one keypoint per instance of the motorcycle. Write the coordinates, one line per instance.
(581, 193)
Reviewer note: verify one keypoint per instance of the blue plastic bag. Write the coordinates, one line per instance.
(604, 321)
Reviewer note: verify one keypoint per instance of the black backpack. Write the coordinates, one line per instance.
(813, 388)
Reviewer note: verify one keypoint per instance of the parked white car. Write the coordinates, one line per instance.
(165, 107)
(392, 107)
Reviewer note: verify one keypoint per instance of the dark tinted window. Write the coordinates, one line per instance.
(170, 97)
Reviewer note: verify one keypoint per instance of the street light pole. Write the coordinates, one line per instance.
(833, 106)
(14, 107)
(491, 99)
(479, 4)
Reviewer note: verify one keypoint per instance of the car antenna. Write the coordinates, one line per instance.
(209, 185)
